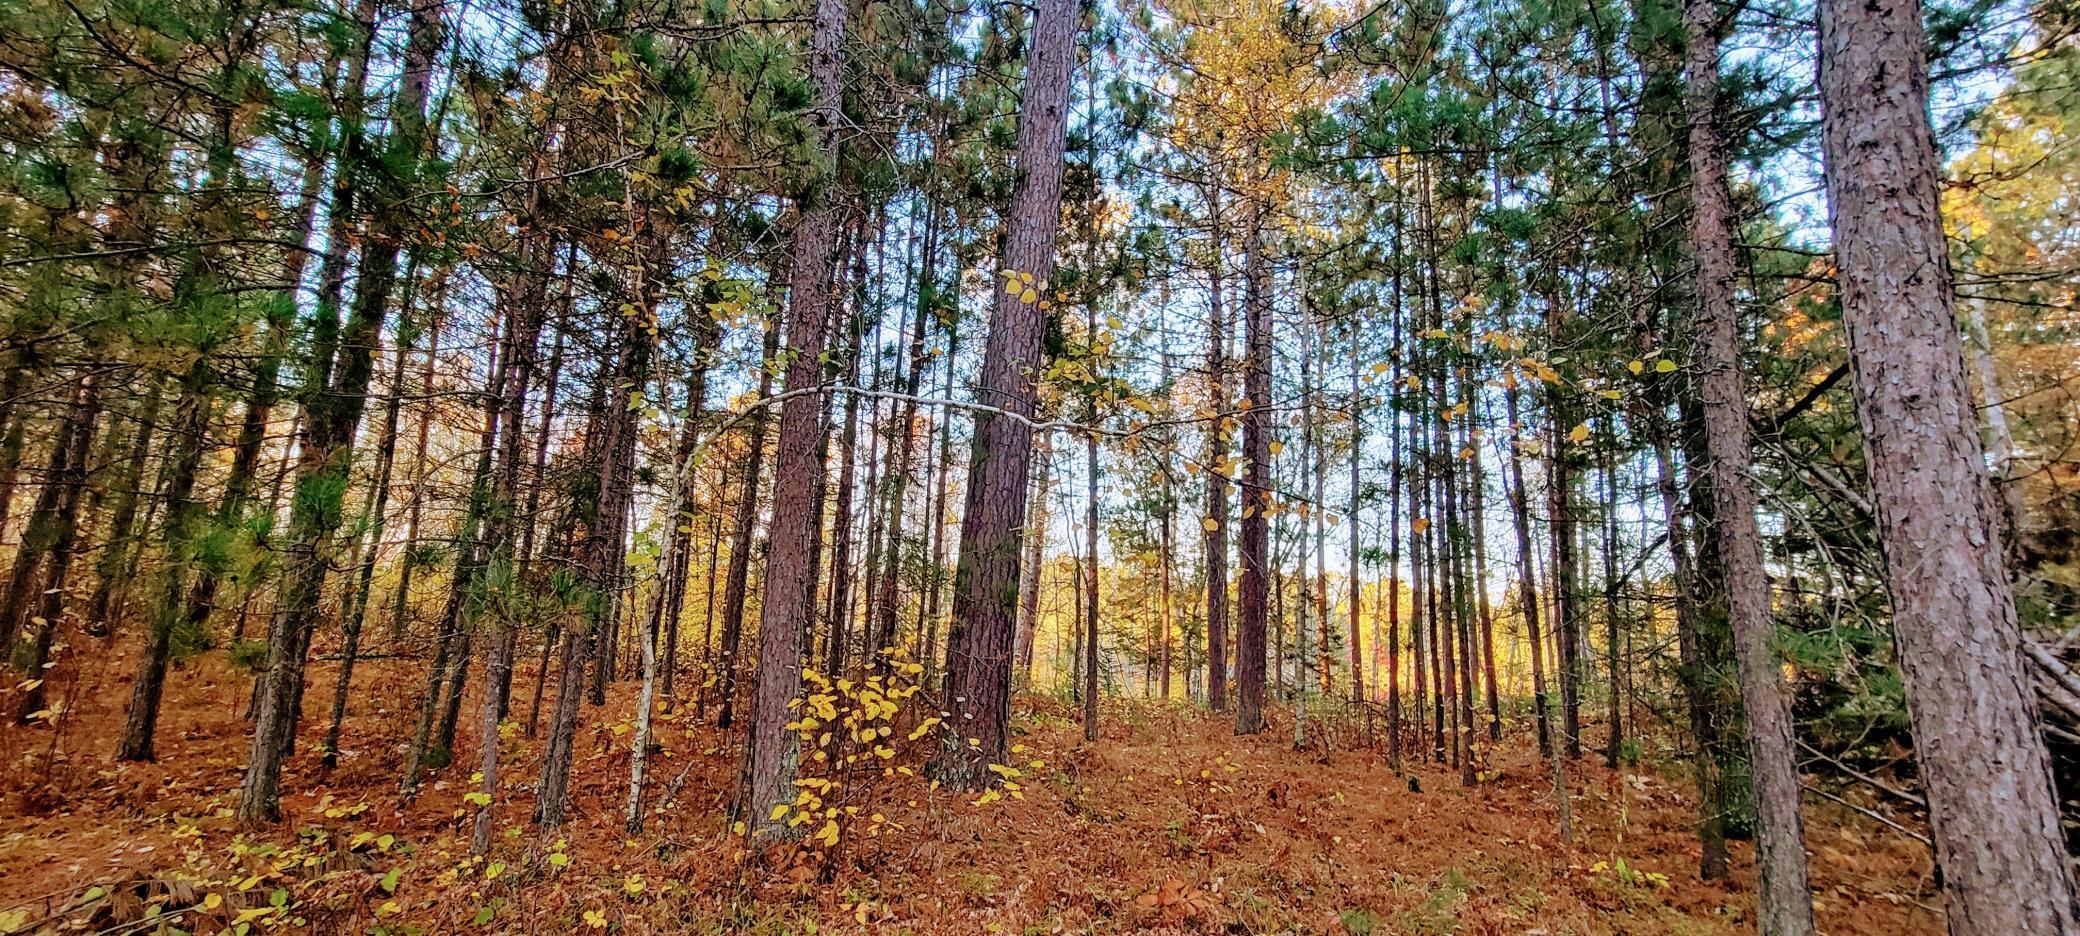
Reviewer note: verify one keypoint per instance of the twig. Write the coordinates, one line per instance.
(1903, 830)
(1867, 778)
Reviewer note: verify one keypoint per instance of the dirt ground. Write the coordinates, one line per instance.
(1170, 823)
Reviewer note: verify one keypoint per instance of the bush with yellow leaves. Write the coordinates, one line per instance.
(859, 738)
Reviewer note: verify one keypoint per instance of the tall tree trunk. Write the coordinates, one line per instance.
(440, 702)
(1786, 904)
(1214, 545)
(838, 611)
(1559, 488)
(1252, 588)
(1477, 493)
(1356, 583)
(1036, 555)
(897, 481)
(653, 240)
(599, 541)
(771, 748)
(123, 541)
(706, 339)
(978, 646)
(1613, 616)
(54, 535)
(505, 556)
(1393, 580)
(188, 440)
(334, 410)
(362, 560)
(1092, 655)
(1992, 810)
(936, 579)
(1527, 582)
(734, 592)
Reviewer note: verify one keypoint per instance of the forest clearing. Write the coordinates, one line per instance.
(1082, 466)
(1169, 824)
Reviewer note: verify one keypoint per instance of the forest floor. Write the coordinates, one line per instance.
(1170, 823)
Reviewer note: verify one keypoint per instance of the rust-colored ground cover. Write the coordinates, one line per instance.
(1169, 824)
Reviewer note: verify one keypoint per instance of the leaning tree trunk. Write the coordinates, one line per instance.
(188, 439)
(1786, 904)
(503, 558)
(1992, 810)
(597, 544)
(978, 646)
(266, 391)
(362, 558)
(68, 478)
(123, 541)
(333, 411)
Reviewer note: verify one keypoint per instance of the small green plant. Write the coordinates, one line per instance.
(1623, 874)
(248, 655)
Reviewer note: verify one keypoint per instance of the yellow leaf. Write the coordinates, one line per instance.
(1209, 524)
(1664, 366)
(779, 810)
(1636, 366)
(1029, 297)
(1579, 433)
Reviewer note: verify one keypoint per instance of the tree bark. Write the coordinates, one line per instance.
(1992, 809)
(123, 541)
(1214, 544)
(333, 411)
(188, 440)
(978, 646)
(54, 535)
(1253, 585)
(771, 749)
(734, 590)
(1035, 557)
(1786, 904)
